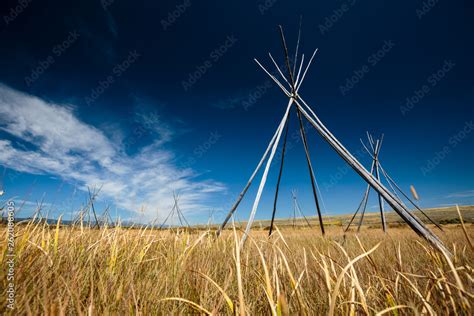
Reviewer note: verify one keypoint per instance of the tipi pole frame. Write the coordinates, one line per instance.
(38, 211)
(392, 183)
(398, 207)
(178, 210)
(279, 130)
(92, 198)
(389, 197)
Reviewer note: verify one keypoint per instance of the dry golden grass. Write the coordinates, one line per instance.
(68, 270)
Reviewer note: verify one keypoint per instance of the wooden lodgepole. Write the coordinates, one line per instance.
(311, 172)
(279, 174)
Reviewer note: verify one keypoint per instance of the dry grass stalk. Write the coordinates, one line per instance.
(464, 227)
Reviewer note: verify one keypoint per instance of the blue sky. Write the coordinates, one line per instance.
(143, 99)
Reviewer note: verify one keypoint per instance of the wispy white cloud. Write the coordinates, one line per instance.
(463, 194)
(59, 143)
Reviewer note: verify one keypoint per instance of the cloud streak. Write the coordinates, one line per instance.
(464, 194)
(58, 143)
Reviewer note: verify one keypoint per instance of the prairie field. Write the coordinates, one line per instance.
(77, 270)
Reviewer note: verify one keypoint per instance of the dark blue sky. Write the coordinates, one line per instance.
(107, 94)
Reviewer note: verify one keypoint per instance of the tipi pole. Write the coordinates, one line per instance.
(287, 58)
(265, 174)
(356, 212)
(377, 175)
(301, 213)
(242, 194)
(38, 211)
(297, 46)
(278, 68)
(167, 217)
(279, 174)
(180, 214)
(310, 169)
(299, 70)
(306, 69)
(183, 219)
(364, 208)
(296, 55)
(294, 208)
(387, 195)
(273, 78)
(93, 208)
(363, 199)
(390, 184)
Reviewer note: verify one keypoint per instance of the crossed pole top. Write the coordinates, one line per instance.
(294, 84)
(375, 146)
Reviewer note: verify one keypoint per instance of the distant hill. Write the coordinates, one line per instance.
(441, 215)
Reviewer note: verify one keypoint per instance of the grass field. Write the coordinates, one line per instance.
(79, 270)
